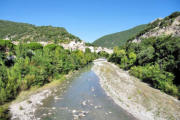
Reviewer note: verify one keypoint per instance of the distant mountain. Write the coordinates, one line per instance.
(27, 32)
(120, 38)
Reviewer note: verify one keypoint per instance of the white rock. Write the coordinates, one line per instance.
(76, 117)
(84, 103)
(49, 113)
(74, 111)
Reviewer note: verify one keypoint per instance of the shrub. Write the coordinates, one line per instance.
(6, 44)
(52, 47)
(4, 112)
(33, 46)
(156, 77)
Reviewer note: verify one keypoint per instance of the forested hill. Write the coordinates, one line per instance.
(27, 32)
(169, 25)
(118, 39)
(153, 55)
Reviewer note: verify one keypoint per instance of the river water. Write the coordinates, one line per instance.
(81, 97)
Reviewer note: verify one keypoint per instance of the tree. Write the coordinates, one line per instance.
(132, 58)
(146, 55)
(87, 50)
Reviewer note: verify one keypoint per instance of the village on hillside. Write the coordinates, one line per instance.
(75, 45)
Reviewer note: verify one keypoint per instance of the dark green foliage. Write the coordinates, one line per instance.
(156, 77)
(4, 112)
(126, 60)
(118, 39)
(87, 50)
(173, 15)
(103, 54)
(26, 32)
(5, 46)
(35, 65)
(51, 46)
(33, 46)
(155, 60)
(146, 55)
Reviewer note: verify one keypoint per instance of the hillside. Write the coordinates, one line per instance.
(169, 25)
(153, 55)
(118, 39)
(26, 32)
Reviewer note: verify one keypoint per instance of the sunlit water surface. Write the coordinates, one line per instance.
(81, 97)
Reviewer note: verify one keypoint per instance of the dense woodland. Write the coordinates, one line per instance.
(155, 60)
(26, 32)
(25, 65)
(120, 38)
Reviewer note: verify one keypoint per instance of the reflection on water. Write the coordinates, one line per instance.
(81, 97)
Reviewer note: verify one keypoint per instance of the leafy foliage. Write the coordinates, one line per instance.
(4, 112)
(156, 77)
(155, 60)
(103, 54)
(35, 65)
(33, 46)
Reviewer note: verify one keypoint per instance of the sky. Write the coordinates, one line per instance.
(87, 19)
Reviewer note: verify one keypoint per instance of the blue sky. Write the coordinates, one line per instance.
(87, 19)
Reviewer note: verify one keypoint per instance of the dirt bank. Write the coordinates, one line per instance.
(138, 98)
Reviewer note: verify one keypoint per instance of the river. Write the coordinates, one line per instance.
(81, 97)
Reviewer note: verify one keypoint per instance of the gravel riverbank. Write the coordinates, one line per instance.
(25, 110)
(136, 97)
(26, 104)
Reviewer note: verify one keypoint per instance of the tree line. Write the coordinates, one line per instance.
(25, 65)
(154, 60)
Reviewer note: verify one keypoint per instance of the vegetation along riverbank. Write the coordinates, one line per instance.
(31, 64)
(153, 55)
(135, 96)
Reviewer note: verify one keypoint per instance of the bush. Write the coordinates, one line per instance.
(4, 113)
(168, 88)
(52, 47)
(6, 44)
(33, 46)
(156, 77)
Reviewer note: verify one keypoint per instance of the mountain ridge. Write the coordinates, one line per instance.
(169, 25)
(119, 38)
(17, 31)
